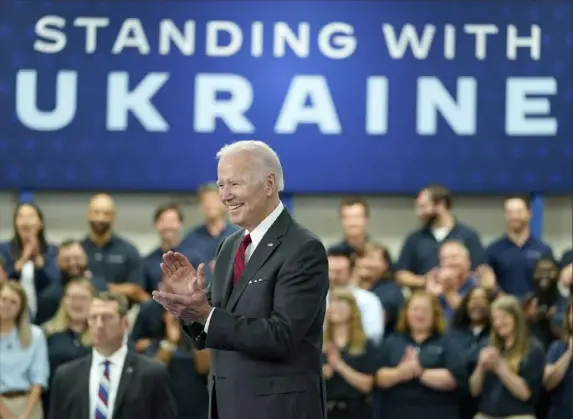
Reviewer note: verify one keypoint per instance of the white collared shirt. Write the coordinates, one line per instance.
(256, 236)
(259, 232)
(371, 313)
(116, 362)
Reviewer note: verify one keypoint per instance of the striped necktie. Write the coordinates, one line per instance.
(102, 402)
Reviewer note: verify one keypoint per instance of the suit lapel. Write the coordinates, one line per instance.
(124, 382)
(228, 286)
(268, 245)
(83, 387)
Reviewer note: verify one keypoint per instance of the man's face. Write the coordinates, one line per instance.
(454, 259)
(371, 266)
(72, 260)
(339, 271)
(107, 327)
(243, 191)
(101, 215)
(211, 205)
(426, 210)
(517, 215)
(169, 225)
(354, 220)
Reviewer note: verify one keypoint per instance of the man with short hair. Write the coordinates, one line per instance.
(514, 255)
(354, 213)
(262, 317)
(113, 382)
(371, 312)
(419, 253)
(206, 238)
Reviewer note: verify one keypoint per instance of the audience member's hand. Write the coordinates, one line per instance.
(434, 284)
(530, 306)
(333, 356)
(142, 344)
(327, 371)
(410, 364)
(488, 358)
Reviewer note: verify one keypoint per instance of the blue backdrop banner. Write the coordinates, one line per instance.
(365, 97)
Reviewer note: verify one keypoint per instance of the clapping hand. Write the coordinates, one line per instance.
(488, 358)
(411, 363)
(333, 356)
(182, 290)
(434, 284)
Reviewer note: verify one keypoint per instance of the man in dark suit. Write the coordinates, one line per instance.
(113, 382)
(264, 311)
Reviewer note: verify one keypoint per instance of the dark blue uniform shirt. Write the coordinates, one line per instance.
(420, 252)
(392, 298)
(497, 401)
(200, 240)
(412, 399)
(561, 405)
(337, 388)
(513, 265)
(152, 262)
(472, 342)
(117, 261)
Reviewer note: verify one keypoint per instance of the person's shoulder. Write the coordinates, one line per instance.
(149, 365)
(37, 332)
(467, 229)
(536, 347)
(70, 369)
(125, 243)
(558, 346)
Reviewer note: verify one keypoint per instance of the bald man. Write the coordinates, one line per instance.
(110, 256)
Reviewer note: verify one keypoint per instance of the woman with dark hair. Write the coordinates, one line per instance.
(558, 376)
(29, 258)
(471, 328)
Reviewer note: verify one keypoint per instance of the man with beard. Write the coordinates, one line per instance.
(110, 256)
(514, 255)
(419, 253)
(72, 263)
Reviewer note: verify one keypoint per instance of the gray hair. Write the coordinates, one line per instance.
(265, 158)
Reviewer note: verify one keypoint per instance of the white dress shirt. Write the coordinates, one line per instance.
(116, 362)
(371, 313)
(256, 236)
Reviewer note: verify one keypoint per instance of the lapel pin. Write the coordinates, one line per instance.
(270, 245)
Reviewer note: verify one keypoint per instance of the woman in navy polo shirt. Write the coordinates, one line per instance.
(349, 360)
(509, 372)
(471, 329)
(422, 370)
(558, 377)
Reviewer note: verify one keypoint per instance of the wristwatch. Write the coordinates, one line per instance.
(168, 346)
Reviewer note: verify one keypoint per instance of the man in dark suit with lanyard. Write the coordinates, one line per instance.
(263, 313)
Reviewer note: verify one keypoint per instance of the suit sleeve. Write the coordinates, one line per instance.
(300, 294)
(164, 405)
(56, 396)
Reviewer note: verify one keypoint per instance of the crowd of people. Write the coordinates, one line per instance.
(453, 328)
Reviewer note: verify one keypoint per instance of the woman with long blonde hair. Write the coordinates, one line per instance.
(558, 376)
(24, 368)
(509, 372)
(67, 332)
(422, 369)
(348, 363)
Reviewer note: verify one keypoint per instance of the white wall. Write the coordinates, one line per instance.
(391, 217)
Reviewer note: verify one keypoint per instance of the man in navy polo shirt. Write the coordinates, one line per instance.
(205, 238)
(110, 256)
(168, 221)
(419, 253)
(513, 256)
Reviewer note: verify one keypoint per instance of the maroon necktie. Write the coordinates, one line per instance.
(239, 264)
